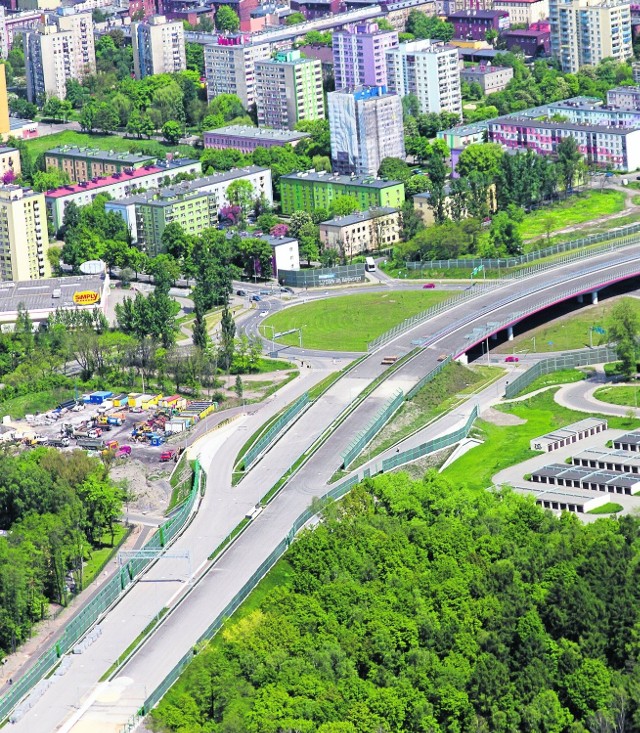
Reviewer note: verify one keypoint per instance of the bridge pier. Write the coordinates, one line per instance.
(494, 336)
(463, 359)
(581, 299)
(510, 333)
(594, 297)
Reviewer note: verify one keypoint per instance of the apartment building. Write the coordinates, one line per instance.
(10, 167)
(288, 88)
(83, 164)
(229, 66)
(194, 205)
(602, 146)
(308, 191)
(490, 78)
(430, 70)
(365, 127)
(523, 11)
(366, 231)
(359, 55)
(624, 98)
(158, 47)
(583, 32)
(56, 52)
(246, 139)
(117, 185)
(24, 236)
(474, 24)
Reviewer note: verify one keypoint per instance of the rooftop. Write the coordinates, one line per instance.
(342, 180)
(345, 221)
(104, 181)
(258, 132)
(53, 293)
(73, 151)
(164, 195)
(551, 125)
(478, 14)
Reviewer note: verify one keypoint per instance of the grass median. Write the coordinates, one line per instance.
(348, 323)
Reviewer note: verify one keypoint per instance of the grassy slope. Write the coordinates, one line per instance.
(105, 142)
(563, 376)
(624, 396)
(570, 332)
(507, 445)
(349, 323)
(576, 210)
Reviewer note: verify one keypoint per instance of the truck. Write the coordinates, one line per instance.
(123, 451)
(90, 443)
(61, 442)
(167, 455)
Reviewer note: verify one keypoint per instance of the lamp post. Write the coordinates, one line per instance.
(273, 336)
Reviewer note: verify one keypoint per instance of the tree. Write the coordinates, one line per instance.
(309, 242)
(480, 158)
(227, 105)
(569, 159)
(294, 19)
(195, 54)
(239, 387)
(106, 118)
(624, 327)
(241, 193)
(172, 131)
(48, 180)
(438, 173)
(227, 339)
(424, 26)
(394, 169)
(227, 19)
(297, 220)
(344, 204)
(176, 242)
(505, 235)
(56, 109)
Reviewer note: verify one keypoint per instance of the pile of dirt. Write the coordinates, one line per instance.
(501, 418)
(149, 484)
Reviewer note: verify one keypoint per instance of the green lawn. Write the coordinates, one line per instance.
(101, 556)
(350, 322)
(105, 142)
(609, 508)
(623, 396)
(563, 376)
(568, 332)
(507, 445)
(29, 404)
(575, 210)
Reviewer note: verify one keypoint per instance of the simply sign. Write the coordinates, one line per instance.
(86, 297)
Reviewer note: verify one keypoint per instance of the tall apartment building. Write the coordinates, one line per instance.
(365, 127)
(24, 237)
(158, 47)
(430, 70)
(57, 52)
(524, 11)
(229, 66)
(288, 89)
(583, 32)
(359, 55)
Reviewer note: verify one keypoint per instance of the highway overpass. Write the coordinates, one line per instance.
(76, 702)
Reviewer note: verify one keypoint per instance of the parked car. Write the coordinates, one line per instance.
(428, 286)
(264, 292)
(241, 293)
(264, 313)
(512, 358)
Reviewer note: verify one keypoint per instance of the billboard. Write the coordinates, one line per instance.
(86, 297)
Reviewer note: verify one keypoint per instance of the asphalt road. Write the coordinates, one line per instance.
(107, 707)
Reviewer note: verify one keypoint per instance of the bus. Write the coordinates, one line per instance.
(369, 264)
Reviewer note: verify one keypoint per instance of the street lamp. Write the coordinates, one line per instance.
(273, 336)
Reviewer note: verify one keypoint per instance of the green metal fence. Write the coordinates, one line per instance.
(365, 436)
(337, 492)
(508, 262)
(269, 437)
(108, 594)
(428, 377)
(570, 360)
(431, 446)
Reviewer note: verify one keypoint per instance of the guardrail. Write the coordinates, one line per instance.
(110, 592)
(265, 440)
(503, 263)
(335, 493)
(358, 444)
(571, 360)
(410, 323)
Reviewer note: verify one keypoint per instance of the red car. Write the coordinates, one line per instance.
(428, 286)
(512, 358)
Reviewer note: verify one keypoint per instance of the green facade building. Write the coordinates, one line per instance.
(310, 191)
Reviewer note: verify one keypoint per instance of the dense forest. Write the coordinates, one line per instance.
(420, 607)
(55, 508)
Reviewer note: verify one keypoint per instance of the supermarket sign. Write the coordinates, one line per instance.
(86, 297)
